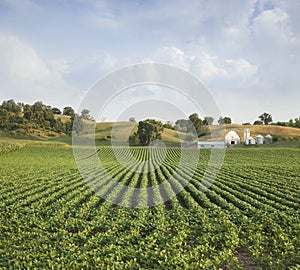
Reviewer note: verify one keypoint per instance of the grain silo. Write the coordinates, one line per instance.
(246, 135)
(259, 139)
(268, 139)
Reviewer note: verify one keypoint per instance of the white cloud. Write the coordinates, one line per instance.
(21, 61)
(272, 24)
(104, 20)
(238, 48)
(28, 77)
(239, 68)
(206, 66)
(61, 66)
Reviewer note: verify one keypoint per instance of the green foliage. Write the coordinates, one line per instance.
(51, 219)
(192, 126)
(148, 131)
(168, 125)
(22, 119)
(197, 123)
(291, 123)
(208, 120)
(69, 111)
(56, 110)
(85, 115)
(183, 125)
(266, 118)
(257, 122)
(224, 120)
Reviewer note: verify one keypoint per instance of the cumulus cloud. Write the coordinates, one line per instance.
(22, 62)
(28, 76)
(246, 49)
(206, 66)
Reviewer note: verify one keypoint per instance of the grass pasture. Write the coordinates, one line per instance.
(249, 217)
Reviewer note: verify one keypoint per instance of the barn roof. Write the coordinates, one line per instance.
(232, 135)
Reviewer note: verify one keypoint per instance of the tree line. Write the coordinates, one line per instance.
(26, 118)
(267, 119)
(19, 116)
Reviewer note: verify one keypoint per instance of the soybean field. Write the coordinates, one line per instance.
(52, 218)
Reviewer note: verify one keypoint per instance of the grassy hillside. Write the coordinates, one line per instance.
(64, 118)
(120, 130)
(105, 131)
(31, 134)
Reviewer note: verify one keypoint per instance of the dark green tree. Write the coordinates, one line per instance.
(4, 118)
(182, 125)
(56, 110)
(297, 122)
(12, 107)
(69, 111)
(257, 122)
(133, 139)
(85, 114)
(224, 120)
(196, 122)
(148, 131)
(208, 120)
(168, 125)
(27, 111)
(266, 118)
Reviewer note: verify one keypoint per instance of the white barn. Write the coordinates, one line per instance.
(232, 138)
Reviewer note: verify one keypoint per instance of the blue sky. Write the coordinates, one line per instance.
(246, 52)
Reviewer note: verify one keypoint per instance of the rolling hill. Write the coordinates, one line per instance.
(122, 129)
(105, 131)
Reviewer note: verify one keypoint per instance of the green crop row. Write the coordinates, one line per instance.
(52, 218)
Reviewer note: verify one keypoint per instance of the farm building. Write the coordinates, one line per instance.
(268, 139)
(232, 138)
(250, 140)
(205, 144)
(246, 135)
(259, 139)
